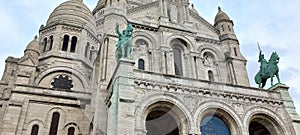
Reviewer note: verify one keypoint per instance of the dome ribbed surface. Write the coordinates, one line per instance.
(73, 12)
(221, 16)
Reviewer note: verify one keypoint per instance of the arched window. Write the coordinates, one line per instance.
(177, 61)
(65, 43)
(213, 125)
(211, 76)
(73, 44)
(35, 129)
(141, 64)
(54, 123)
(87, 48)
(71, 131)
(222, 27)
(91, 52)
(45, 44)
(229, 28)
(51, 43)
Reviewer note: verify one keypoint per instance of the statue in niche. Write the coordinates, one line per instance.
(208, 60)
(141, 48)
(173, 12)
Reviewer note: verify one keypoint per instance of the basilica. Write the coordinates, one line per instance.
(183, 76)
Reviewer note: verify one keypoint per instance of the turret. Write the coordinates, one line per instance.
(225, 25)
(68, 44)
(230, 44)
(33, 49)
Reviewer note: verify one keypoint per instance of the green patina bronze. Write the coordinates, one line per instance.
(267, 69)
(123, 47)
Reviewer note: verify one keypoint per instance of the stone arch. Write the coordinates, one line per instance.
(141, 111)
(211, 57)
(29, 125)
(266, 117)
(221, 110)
(62, 118)
(153, 43)
(74, 72)
(68, 45)
(212, 50)
(74, 125)
(143, 51)
(189, 45)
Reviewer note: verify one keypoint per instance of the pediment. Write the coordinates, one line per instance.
(27, 60)
(148, 12)
(202, 27)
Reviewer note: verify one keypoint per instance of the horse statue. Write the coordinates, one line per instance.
(268, 69)
(123, 47)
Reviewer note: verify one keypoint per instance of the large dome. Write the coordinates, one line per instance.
(221, 16)
(73, 12)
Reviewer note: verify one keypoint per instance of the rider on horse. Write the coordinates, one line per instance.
(263, 64)
(124, 42)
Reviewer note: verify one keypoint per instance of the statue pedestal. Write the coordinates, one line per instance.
(288, 105)
(122, 100)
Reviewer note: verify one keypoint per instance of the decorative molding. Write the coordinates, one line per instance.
(196, 16)
(72, 28)
(207, 40)
(48, 29)
(206, 93)
(143, 7)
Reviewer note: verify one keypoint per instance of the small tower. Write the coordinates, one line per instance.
(225, 25)
(33, 50)
(230, 44)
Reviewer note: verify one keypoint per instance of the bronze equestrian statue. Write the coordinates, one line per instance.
(268, 69)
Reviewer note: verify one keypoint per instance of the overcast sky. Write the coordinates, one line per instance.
(275, 24)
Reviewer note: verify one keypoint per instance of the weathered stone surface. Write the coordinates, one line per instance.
(206, 77)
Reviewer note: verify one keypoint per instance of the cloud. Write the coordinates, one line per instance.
(275, 24)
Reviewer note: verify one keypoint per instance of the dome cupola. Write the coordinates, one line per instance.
(72, 12)
(33, 46)
(221, 16)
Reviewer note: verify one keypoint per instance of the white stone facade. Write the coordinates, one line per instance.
(182, 68)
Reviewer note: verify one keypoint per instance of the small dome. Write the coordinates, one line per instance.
(100, 5)
(73, 12)
(221, 16)
(33, 45)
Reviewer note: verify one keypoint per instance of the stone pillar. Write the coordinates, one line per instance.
(164, 17)
(289, 106)
(121, 117)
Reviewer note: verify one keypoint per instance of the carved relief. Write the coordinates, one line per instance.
(208, 59)
(239, 108)
(191, 101)
(140, 48)
(6, 93)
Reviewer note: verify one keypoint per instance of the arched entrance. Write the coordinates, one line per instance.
(164, 118)
(217, 121)
(213, 125)
(161, 123)
(262, 124)
(256, 128)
